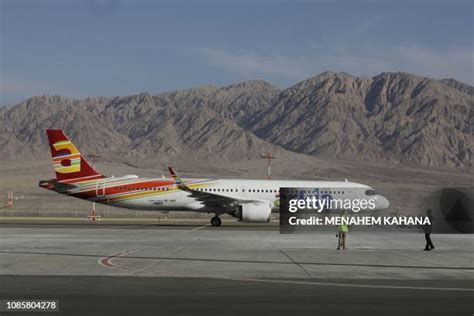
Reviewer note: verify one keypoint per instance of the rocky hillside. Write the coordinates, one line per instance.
(197, 122)
(393, 117)
(458, 85)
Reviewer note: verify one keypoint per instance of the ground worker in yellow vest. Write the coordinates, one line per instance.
(343, 230)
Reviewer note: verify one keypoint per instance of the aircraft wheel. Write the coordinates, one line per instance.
(216, 221)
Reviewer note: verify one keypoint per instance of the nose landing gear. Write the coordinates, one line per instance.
(216, 221)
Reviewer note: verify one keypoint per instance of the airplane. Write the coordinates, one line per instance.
(246, 200)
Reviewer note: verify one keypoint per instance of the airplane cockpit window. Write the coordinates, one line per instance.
(370, 192)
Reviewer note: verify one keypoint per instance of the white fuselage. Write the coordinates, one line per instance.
(140, 193)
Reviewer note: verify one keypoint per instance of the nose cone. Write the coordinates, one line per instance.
(381, 203)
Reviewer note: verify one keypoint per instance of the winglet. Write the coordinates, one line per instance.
(177, 179)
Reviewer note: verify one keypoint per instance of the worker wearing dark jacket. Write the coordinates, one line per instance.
(428, 228)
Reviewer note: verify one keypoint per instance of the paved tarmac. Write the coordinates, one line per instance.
(207, 296)
(252, 269)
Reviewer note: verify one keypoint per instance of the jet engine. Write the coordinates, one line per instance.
(254, 212)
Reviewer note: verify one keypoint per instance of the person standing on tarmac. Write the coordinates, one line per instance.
(342, 232)
(428, 228)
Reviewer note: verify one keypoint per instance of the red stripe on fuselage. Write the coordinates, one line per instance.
(149, 184)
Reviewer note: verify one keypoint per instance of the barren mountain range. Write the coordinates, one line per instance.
(392, 117)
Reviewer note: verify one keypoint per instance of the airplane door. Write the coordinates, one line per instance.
(100, 188)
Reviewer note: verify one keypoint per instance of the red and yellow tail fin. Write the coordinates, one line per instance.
(68, 162)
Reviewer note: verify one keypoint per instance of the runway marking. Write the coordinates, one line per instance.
(418, 259)
(297, 263)
(107, 261)
(399, 287)
(138, 272)
(235, 261)
(200, 227)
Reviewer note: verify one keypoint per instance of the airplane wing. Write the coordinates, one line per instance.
(210, 199)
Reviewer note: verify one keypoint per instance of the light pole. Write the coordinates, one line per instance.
(94, 157)
(269, 158)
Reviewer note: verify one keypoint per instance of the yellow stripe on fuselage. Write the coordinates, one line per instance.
(140, 194)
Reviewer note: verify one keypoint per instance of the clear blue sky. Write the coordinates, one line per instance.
(106, 47)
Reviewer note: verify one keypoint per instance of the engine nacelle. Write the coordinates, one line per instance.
(254, 212)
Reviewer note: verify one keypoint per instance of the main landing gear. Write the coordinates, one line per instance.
(216, 221)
